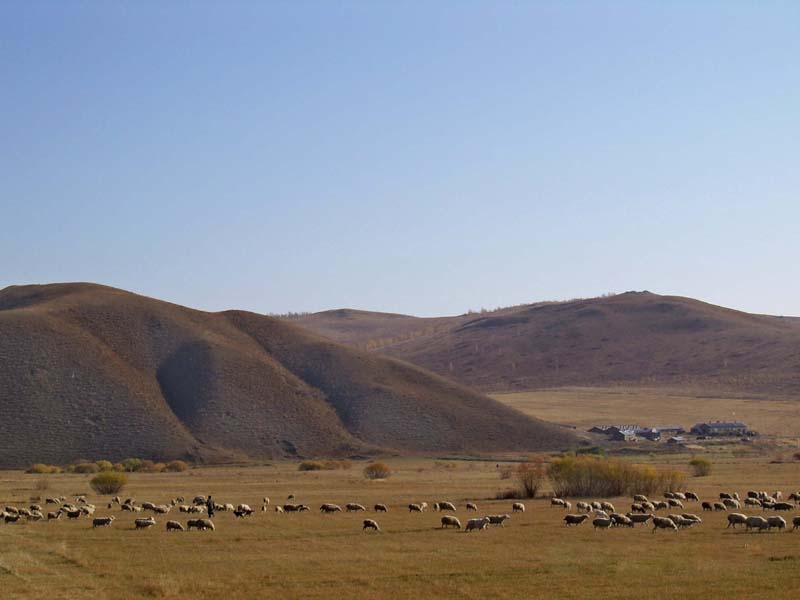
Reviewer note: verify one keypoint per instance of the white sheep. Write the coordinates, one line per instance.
(144, 523)
(102, 522)
(477, 524)
(471, 506)
(370, 524)
(450, 521)
(174, 526)
(518, 507)
(663, 523)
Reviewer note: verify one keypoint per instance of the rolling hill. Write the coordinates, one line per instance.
(96, 372)
(636, 337)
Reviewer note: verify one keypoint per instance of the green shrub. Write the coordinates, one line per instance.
(530, 477)
(104, 465)
(108, 482)
(701, 467)
(323, 465)
(43, 469)
(84, 467)
(132, 464)
(176, 466)
(377, 470)
(587, 475)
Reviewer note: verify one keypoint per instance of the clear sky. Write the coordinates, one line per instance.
(417, 157)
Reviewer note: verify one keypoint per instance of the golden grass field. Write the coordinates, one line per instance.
(311, 555)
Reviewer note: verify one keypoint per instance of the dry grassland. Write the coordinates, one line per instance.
(311, 555)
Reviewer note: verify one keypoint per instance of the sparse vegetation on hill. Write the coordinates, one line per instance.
(377, 470)
(633, 338)
(89, 370)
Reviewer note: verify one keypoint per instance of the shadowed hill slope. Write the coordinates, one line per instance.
(92, 371)
(640, 338)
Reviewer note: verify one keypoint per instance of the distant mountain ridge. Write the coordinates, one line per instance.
(96, 372)
(635, 337)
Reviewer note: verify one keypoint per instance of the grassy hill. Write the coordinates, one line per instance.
(92, 371)
(632, 338)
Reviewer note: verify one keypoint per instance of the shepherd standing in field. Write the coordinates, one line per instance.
(210, 507)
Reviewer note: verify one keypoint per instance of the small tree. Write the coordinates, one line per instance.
(377, 470)
(108, 482)
(177, 466)
(700, 466)
(104, 465)
(530, 477)
(132, 464)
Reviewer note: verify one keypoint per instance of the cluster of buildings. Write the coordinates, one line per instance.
(673, 434)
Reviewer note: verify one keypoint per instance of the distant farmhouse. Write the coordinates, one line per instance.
(720, 428)
(631, 433)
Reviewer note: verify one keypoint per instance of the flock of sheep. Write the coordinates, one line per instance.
(603, 513)
(643, 511)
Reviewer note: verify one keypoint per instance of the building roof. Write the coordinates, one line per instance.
(723, 424)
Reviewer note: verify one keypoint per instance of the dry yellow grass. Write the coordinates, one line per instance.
(311, 555)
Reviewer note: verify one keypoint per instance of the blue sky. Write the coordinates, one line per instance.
(415, 157)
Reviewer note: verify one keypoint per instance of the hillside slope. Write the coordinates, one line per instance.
(87, 370)
(637, 337)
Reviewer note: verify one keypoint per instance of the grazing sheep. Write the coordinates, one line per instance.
(174, 526)
(265, 501)
(52, 516)
(35, 507)
(649, 506)
(750, 501)
(162, 509)
(660, 505)
(735, 519)
(768, 504)
(732, 503)
(776, 522)
(102, 522)
(596, 505)
(245, 508)
(518, 507)
(794, 497)
(639, 518)
(472, 506)
(184, 508)
(447, 506)
(23, 512)
(621, 520)
(12, 510)
(291, 507)
(498, 519)
(759, 523)
(679, 496)
(479, 524)
(675, 503)
(228, 507)
(241, 514)
(330, 508)
(681, 522)
(200, 524)
(35, 516)
(575, 519)
(144, 523)
(584, 506)
(74, 514)
(795, 523)
(663, 523)
(198, 500)
(370, 524)
(279, 509)
(11, 518)
(55, 501)
(637, 508)
(450, 521)
(783, 506)
(414, 508)
(777, 495)
(380, 508)
(707, 506)
(424, 505)
(302, 508)
(601, 514)
(557, 502)
(692, 496)
(148, 506)
(353, 507)
(725, 495)
(692, 517)
(131, 508)
(640, 498)
(602, 523)
(720, 506)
